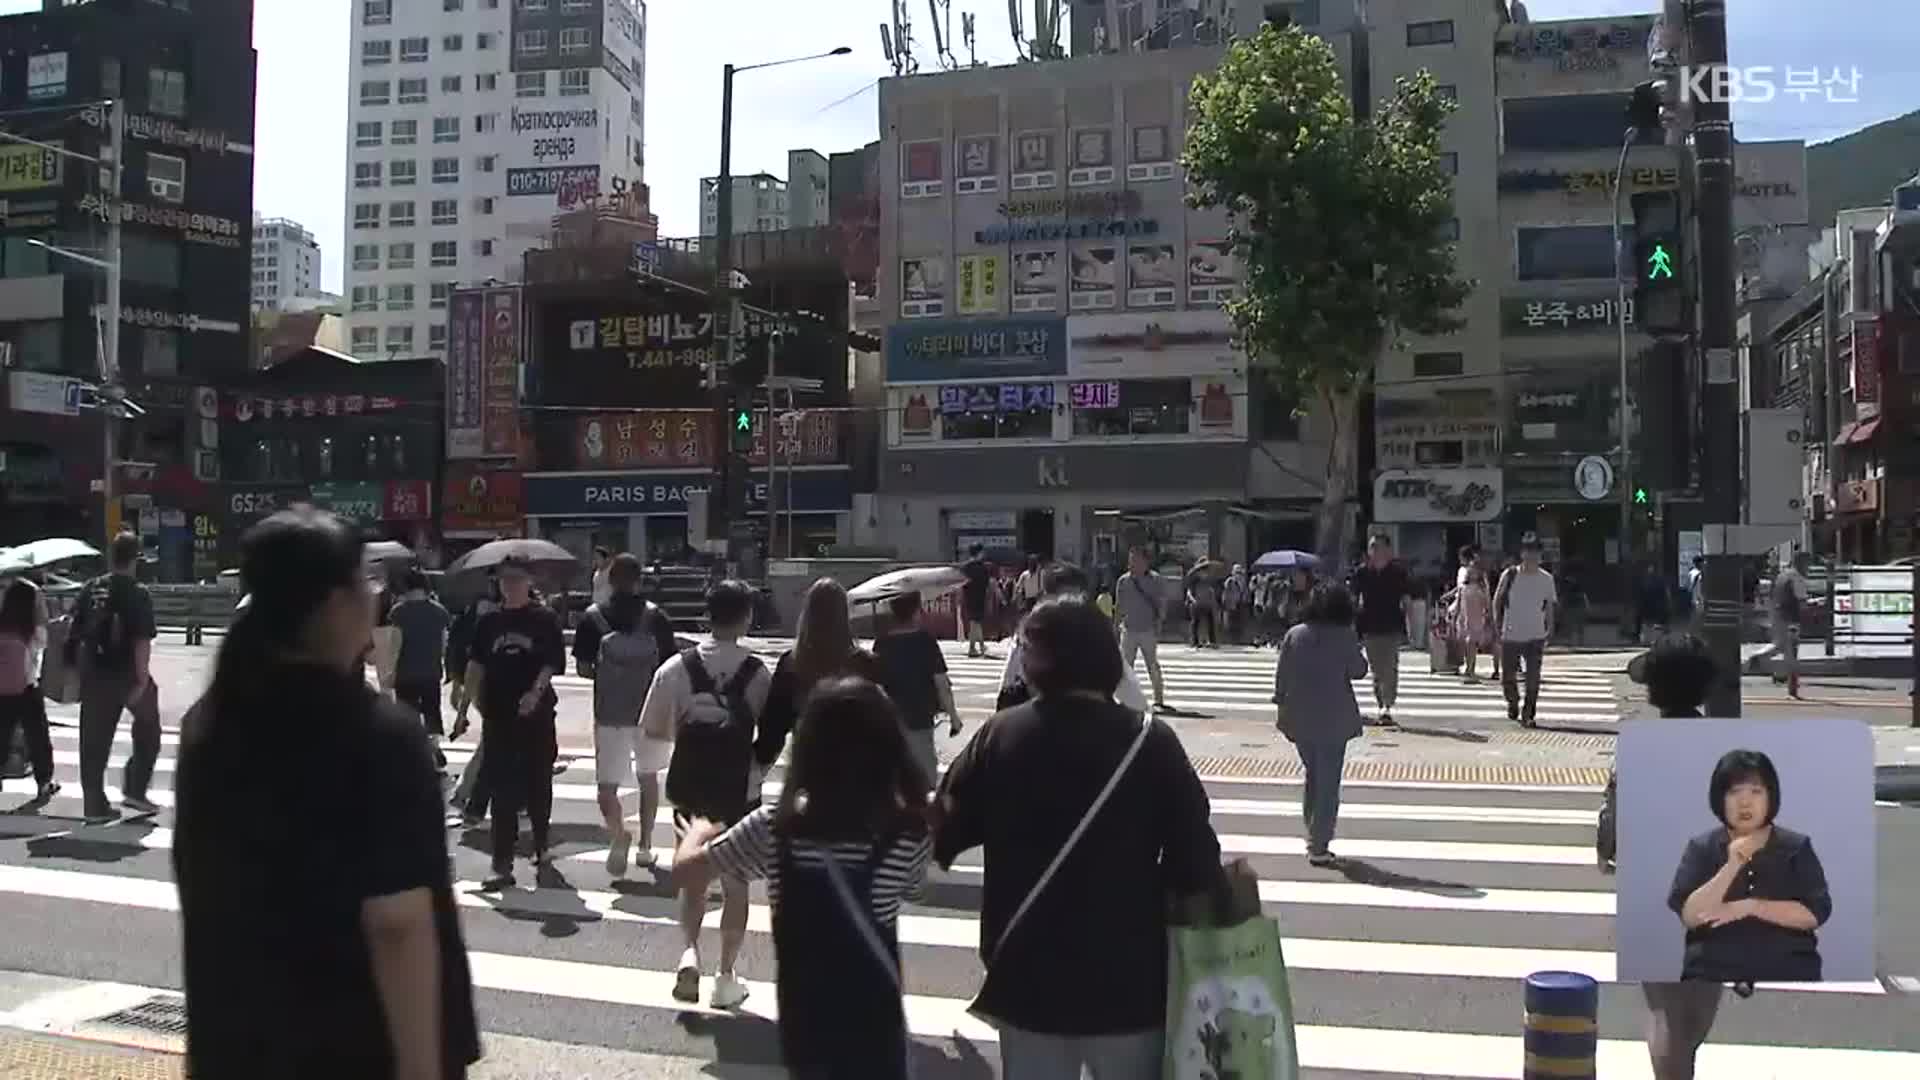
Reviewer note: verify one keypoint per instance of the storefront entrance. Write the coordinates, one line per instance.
(1036, 532)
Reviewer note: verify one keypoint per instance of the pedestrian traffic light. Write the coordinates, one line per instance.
(740, 429)
(1659, 293)
(1641, 496)
(1663, 445)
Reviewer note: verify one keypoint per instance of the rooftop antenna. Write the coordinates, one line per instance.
(939, 12)
(966, 35)
(886, 46)
(1051, 33)
(903, 38)
(1019, 31)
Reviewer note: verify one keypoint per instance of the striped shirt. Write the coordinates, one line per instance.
(748, 850)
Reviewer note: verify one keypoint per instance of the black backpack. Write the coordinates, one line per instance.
(100, 641)
(713, 747)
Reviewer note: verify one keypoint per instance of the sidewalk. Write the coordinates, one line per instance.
(28, 1056)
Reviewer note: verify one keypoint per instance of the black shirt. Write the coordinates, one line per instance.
(1379, 593)
(973, 594)
(113, 611)
(1090, 956)
(786, 698)
(278, 975)
(511, 645)
(1754, 950)
(908, 662)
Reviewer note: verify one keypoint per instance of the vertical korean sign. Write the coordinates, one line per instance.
(465, 435)
(500, 400)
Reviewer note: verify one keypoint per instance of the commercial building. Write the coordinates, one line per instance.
(759, 204)
(286, 265)
(184, 75)
(471, 124)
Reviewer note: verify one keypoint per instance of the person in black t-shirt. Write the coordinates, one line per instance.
(913, 671)
(340, 954)
(111, 646)
(973, 600)
(1384, 591)
(516, 652)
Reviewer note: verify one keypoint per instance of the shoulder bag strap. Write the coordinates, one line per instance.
(1074, 837)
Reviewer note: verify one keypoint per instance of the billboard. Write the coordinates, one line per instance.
(653, 347)
(500, 395)
(27, 168)
(465, 436)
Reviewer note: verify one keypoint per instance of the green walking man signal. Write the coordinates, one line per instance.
(1659, 263)
(740, 430)
(1640, 495)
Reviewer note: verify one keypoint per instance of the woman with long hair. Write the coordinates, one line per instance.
(323, 952)
(841, 851)
(823, 648)
(23, 638)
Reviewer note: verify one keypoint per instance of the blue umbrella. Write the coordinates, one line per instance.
(1286, 559)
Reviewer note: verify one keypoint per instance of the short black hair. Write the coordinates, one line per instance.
(1530, 544)
(124, 551)
(730, 603)
(1330, 603)
(1064, 578)
(1070, 646)
(904, 607)
(1699, 560)
(1677, 671)
(624, 572)
(1742, 766)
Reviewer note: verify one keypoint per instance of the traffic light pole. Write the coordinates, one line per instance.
(720, 507)
(1720, 448)
(1624, 481)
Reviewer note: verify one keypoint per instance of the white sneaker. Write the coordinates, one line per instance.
(644, 859)
(728, 991)
(686, 983)
(617, 850)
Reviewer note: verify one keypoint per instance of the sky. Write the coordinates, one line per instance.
(829, 105)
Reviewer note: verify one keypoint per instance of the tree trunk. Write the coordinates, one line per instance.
(1330, 534)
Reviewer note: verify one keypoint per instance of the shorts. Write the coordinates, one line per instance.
(749, 802)
(621, 755)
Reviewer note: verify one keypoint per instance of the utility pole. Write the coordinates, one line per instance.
(1720, 448)
(720, 509)
(112, 175)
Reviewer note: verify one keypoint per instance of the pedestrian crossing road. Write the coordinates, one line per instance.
(1406, 960)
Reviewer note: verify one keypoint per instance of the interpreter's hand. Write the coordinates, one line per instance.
(1743, 848)
(1732, 912)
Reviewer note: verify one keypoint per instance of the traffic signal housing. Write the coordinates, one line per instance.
(1659, 292)
(740, 427)
(1663, 445)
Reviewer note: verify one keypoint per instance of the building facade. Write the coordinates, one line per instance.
(471, 124)
(286, 264)
(809, 189)
(185, 80)
(759, 204)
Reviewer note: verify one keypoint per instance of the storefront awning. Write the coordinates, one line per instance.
(1845, 434)
(1863, 432)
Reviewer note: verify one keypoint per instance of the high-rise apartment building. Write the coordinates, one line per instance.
(759, 204)
(471, 124)
(286, 263)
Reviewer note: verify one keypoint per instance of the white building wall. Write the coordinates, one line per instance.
(286, 263)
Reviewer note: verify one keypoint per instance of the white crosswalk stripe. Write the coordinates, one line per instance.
(1449, 895)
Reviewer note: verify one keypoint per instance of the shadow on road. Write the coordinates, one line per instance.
(1361, 872)
(742, 1043)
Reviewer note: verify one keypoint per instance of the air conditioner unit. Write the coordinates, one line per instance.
(169, 190)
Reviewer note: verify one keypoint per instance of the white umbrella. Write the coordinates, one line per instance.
(386, 550)
(45, 553)
(920, 579)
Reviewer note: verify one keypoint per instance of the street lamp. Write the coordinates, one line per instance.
(727, 317)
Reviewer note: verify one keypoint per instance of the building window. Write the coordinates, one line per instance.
(1566, 122)
(530, 84)
(399, 339)
(366, 256)
(487, 82)
(365, 340)
(413, 50)
(446, 129)
(403, 172)
(367, 133)
(1567, 252)
(1438, 365)
(376, 12)
(533, 5)
(484, 248)
(366, 298)
(413, 91)
(530, 42)
(376, 92)
(400, 215)
(484, 204)
(167, 91)
(160, 352)
(1450, 162)
(1447, 92)
(444, 253)
(446, 170)
(576, 82)
(485, 122)
(1438, 32)
(366, 174)
(487, 163)
(400, 256)
(575, 40)
(399, 298)
(1013, 411)
(366, 215)
(405, 132)
(452, 43)
(484, 40)
(449, 84)
(1450, 232)
(376, 52)
(437, 337)
(437, 294)
(446, 211)
(451, 5)
(166, 177)
(1137, 407)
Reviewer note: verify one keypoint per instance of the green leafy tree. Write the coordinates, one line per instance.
(1337, 222)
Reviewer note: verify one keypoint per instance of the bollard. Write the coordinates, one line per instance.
(1562, 1032)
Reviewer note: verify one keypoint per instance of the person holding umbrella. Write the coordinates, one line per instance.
(516, 652)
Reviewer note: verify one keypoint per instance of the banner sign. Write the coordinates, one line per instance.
(656, 348)
(1003, 398)
(1524, 316)
(1047, 232)
(475, 499)
(553, 179)
(582, 495)
(247, 408)
(358, 503)
(500, 394)
(683, 438)
(209, 229)
(407, 500)
(980, 278)
(973, 349)
(1213, 271)
(1094, 395)
(464, 436)
(1427, 495)
(1594, 182)
(25, 168)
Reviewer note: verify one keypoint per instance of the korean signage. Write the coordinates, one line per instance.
(51, 395)
(359, 503)
(559, 136)
(683, 438)
(1595, 183)
(1444, 427)
(976, 165)
(1094, 274)
(1034, 166)
(1048, 232)
(149, 318)
(967, 349)
(198, 228)
(981, 277)
(1150, 346)
(161, 130)
(47, 76)
(562, 180)
(246, 507)
(206, 546)
(406, 500)
(1520, 315)
(476, 499)
(656, 349)
(1086, 206)
(248, 407)
(1565, 412)
(500, 386)
(1001, 398)
(464, 429)
(1094, 395)
(25, 168)
(1576, 47)
(920, 170)
(1213, 271)
(582, 495)
(1426, 495)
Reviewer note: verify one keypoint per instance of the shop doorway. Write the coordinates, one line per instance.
(1036, 533)
(666, 541)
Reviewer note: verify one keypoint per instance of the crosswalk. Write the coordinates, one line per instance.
(1407, 960)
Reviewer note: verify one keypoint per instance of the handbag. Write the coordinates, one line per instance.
(1060, 857)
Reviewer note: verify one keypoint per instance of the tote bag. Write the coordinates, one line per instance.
(1229, 1008)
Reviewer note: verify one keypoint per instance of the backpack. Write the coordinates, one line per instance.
(100, 642)
(623, 673)
(713, 747)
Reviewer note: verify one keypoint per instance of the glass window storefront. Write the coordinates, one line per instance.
(1005, 411)
(1132, 407)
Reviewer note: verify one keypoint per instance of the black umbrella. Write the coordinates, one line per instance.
(541, 557)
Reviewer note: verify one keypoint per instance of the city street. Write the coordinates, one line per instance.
(1407, 961)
